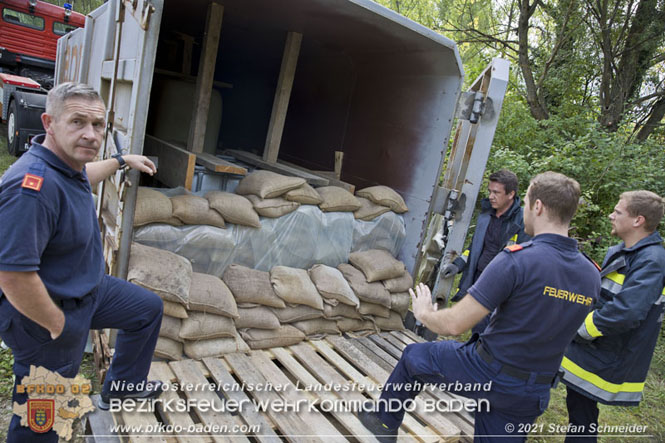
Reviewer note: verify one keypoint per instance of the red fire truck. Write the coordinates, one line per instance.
(29, 30)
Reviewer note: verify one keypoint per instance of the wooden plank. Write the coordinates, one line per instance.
(141, 420)
(376, 354)
(255, 160)
(217, 164)
(386, 347)
(162, 371)
(290, 425)
(287, 73)
(442, 426)
(176, 165)
(249, 414)
(411, 335)
(97, 425)
(333, 397)
(409, 422)
(188, 373)
(319, 426)
(213, 29)
(322, 370)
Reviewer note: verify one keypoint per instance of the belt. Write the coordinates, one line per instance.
(512, 371)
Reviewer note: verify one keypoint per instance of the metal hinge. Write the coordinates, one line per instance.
(471, 106)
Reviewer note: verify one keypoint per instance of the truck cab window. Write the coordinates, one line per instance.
(22, 19)
(62, 28)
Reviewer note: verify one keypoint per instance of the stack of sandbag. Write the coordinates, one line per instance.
(377, 200)
(336, 199)
(266, 191)
(257, 322)
(381, 283)
(199, 310)
(153, 207)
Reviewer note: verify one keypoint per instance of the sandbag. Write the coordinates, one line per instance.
(294, 286)
(366, 308)
(369, 292)
(286, 335)
(293, 313)
(165, 273)
(400, 302)
(340, 311)
(392, 323)
(201, 325)
(214, 347)
(317, 326)
(337, 199)
(193, 210)
(377, 264)
(272, 207)
(251, 286)
(399, 284)
(256, 318)
(369, 210)
(267, 184)
(151, 207)
(305, 195)
(170, 328)
(233, 208)
(352, 325)
(209, 294)
(331, 284)
(174, 310)
(169, 349)
(384, 196)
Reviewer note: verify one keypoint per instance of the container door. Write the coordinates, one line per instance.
(115, 54)
(453, 203)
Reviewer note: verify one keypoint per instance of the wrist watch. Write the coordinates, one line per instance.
(121, 160)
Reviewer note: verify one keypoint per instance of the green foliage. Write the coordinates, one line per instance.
(605, 164)
(6, 373)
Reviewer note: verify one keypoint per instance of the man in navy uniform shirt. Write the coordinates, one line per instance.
(52, 281)
(538, 292)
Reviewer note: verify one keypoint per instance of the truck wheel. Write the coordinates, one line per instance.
(12, 130)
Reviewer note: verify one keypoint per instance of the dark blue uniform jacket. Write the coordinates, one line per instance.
(624, 326)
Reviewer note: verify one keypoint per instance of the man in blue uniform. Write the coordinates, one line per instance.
(610, 357)
(52, 281)
(500, 224)
(539, 293)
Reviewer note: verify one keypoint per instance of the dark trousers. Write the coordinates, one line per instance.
(582, 417)
(135, 311)
(513, 403)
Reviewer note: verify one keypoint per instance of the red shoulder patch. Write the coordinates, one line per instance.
(31, 181)
(513, 248)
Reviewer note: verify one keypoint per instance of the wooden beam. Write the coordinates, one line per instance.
(255, 160)
(176, 165)
(197, 127)
(339, 157)
(216, 164)
(282, 95)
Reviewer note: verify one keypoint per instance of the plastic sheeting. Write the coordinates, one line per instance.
(300, 239)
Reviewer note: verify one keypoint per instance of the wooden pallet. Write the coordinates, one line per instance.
(300, 374)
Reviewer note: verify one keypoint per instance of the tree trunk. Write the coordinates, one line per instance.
(536, 104)
(655, 117)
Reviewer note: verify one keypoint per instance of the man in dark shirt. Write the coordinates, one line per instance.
(500, 224)
(52, 281)
(539, 291)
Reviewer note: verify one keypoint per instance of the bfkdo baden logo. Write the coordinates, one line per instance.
(41, 414)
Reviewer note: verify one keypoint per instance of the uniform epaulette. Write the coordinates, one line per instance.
(34, 178)
(592, 261)
(519, 247)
